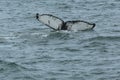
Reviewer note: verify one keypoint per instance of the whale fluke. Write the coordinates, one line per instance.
(58, 24)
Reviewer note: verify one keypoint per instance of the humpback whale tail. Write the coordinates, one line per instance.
(58, 24)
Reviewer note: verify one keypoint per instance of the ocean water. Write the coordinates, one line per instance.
(30, 50)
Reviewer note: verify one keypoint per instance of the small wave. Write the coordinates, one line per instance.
(69, 61)
(13, 68)
(2, 40)
(10, 66)
(107, 38)
(68, 49)
(4, 16)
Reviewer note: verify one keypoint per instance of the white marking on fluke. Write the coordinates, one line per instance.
(58, 24)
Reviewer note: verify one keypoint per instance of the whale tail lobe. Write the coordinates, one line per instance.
(51, 21)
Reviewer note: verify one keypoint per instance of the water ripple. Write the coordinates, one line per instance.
(30, 50)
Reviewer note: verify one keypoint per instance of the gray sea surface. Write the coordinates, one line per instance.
(30, 50)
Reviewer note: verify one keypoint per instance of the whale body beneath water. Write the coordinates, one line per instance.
(56, 23)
